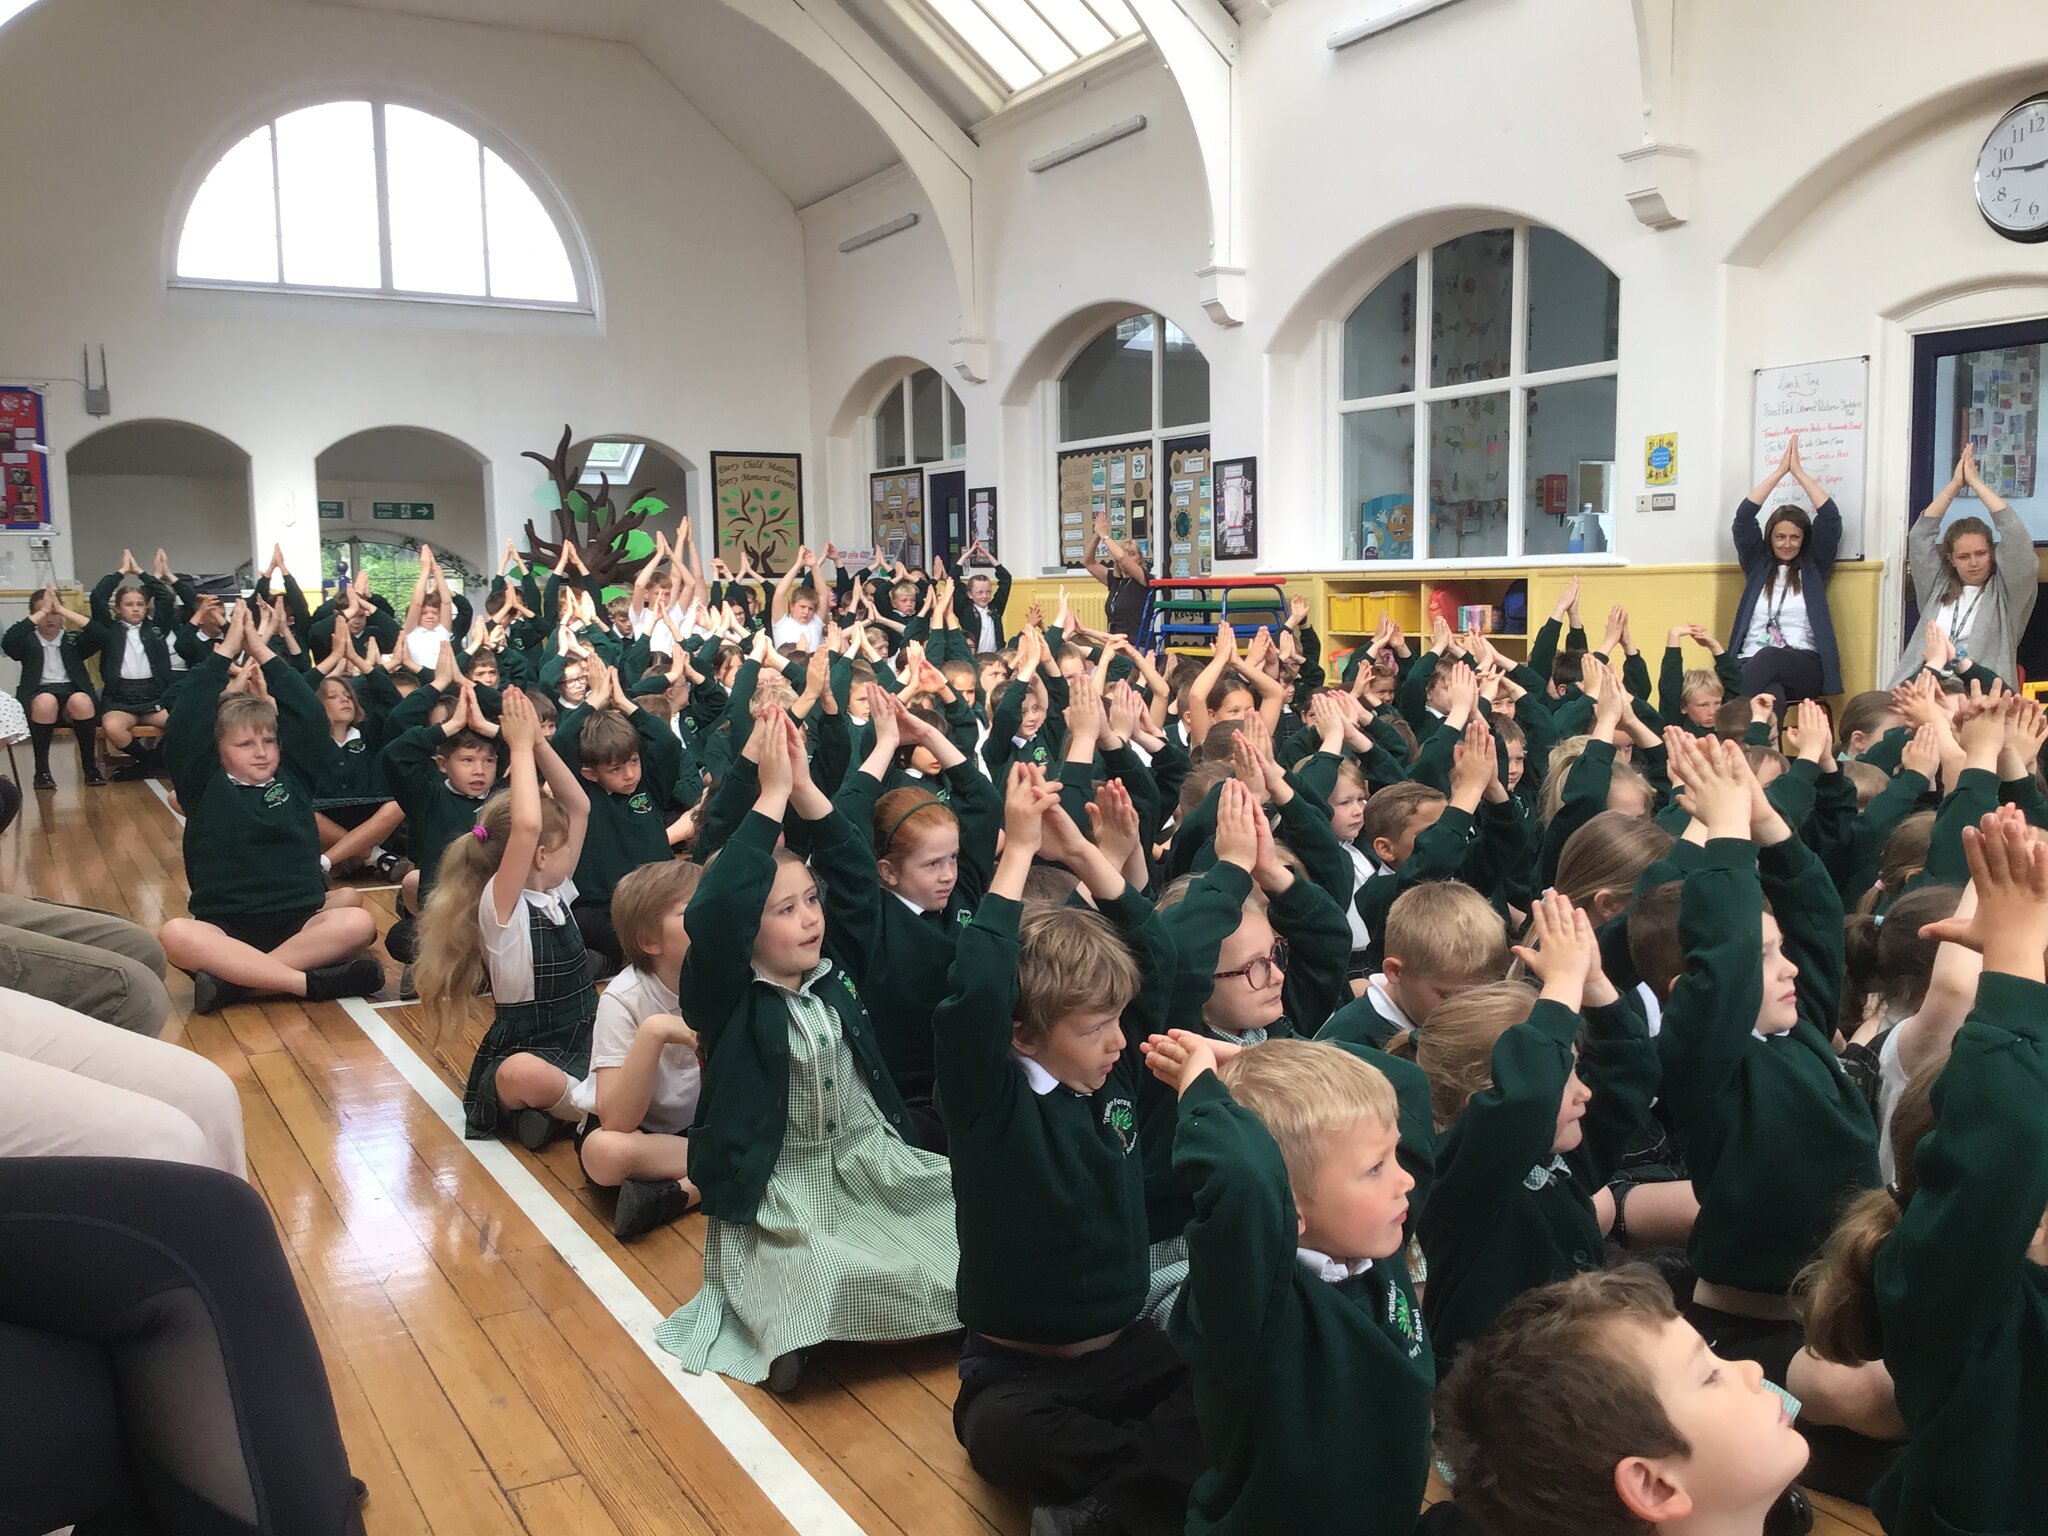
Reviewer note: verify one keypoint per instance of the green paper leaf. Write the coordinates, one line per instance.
(612, 592)
(579, 506)
(547, 496)
(653, 506)
(639, 544)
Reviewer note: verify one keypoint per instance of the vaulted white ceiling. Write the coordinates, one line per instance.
(803, 131)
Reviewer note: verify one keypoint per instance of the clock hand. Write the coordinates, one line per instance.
(2032, 165)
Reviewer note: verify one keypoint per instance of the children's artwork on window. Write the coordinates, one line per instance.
(1998, 393)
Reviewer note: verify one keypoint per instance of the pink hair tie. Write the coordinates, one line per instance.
(480, 832)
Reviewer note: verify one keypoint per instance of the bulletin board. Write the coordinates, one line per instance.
(757, 508)
(1117, 482)
(896, 516)
(1825, 405)
(1237, 495)
(1998, 403)
(24, 459)
(1190, 508)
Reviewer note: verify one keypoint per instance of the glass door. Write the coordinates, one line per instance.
(1983, 387)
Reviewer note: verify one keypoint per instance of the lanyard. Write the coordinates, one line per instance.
(1781, 592)
(1961, 624)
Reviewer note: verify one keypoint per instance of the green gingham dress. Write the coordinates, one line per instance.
(854, 1238)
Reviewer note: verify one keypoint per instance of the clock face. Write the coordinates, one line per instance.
(2012, 173)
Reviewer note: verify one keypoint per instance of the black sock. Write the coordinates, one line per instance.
(87, 731)
(39, 739)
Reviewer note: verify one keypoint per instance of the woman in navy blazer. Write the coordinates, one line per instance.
(1784, 636)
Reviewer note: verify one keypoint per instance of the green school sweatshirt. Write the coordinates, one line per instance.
(1440, 852)
(434, 811)
(1503, 1218)
(249, 848)
(625, 831)
(1313, 1395)
(1777, 1135)
(1964, 1314)
(1048, 1188)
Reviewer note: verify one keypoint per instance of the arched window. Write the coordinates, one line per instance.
(1134, 445)
(1506, 431)
(920, 421)
(373, 197)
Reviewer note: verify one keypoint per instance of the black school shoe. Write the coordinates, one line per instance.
(402, 940)
(43, 780)
(786, 1370)
(1792, 1515)
(1087, 1518)
(351, 978)
(645, 1204)
(94, 779)
(534, 1128)
(210, 994)
(393, 867)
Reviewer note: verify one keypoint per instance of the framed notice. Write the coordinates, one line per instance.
(981, 520)
(1237, 500)
(757, 508)
(24, 459)
(1189, 507)
(896, 515)
(333, 511)
(1116, 482)
(401, 511)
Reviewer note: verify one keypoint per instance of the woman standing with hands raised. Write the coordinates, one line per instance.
(1981, 594)
(1784, 635)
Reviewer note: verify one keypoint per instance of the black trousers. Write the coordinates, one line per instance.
(158, 1376)
(1791, 675)
(1118, 1425)
(594, 921)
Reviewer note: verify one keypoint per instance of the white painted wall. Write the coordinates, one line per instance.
(202, 523)
(700, 338)
(1829, 218)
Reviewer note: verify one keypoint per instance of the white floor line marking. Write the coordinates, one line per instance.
(778, 1474)
(164, 795)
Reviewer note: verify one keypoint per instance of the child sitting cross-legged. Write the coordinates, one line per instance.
(243, 761)
(1298, 1319)
(1442, 937)
(1591, 1408)
(1064, 1392)
(644, 1075)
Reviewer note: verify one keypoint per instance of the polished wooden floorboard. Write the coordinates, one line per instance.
(482, 1387)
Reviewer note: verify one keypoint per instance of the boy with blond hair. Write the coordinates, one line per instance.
(1442, 937)
(1591, 1408)
(1298, 1319)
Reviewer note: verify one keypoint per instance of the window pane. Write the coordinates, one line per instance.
(327, 180)
(437, 204)
(1472, 317)
(230, 231)
(1116, 16)
(1379, 339)
(1029, 31)
(1379, 484)
(889, 431)
(1107, 390)
(1570, 454)
(1184, 382)
(1081, 27)
(985, 39)
(926, 446)
(528, 259)
(1468, 477)
(956, 425)
(1574, 304)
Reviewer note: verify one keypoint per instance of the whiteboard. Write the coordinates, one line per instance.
(1825, 405)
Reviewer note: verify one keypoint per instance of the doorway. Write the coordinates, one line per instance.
(947, 508)
(1983, 385)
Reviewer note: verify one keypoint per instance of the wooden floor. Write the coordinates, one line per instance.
(483, 1386)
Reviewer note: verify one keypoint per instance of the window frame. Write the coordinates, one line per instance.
(952, 412)
(1514, 386)
(582, 269)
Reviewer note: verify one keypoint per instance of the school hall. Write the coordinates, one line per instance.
(1053, 767)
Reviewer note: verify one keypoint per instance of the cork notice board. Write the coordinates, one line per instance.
(757, 504)
(896, 516)
(1116, 482)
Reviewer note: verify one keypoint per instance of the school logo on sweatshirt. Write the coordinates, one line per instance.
(1403, 1320)
(640, 804)
(1122, 1117)
(275, 794)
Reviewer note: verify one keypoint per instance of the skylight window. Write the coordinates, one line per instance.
(1023, 41)
(375, 198)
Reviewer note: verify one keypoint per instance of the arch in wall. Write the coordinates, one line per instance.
(1048, 357)
(158, 481)
(380, 477)
(1853, 156)
(1335, 291)
(671, 475)
(866, 390)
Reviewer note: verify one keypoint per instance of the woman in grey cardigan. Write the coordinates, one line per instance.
(1981, 596)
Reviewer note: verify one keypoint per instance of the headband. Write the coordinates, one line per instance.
(897, 825)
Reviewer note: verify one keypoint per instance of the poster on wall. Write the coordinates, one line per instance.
(757, 504)
(1190, 508)
(981, 520)
(896, 516)
(1824, 405)
(1997, 397)
(24, 458)
(1115, 482)
(1237, 529)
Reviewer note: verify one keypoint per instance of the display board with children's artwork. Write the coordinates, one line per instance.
(896, 515)
(1237, 523)
(1190, 508)
(1997, 395)
(1113, 482)
(1824, 405)
(24, 458)
(757, 503)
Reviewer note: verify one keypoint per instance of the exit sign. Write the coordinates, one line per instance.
(402, 511)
